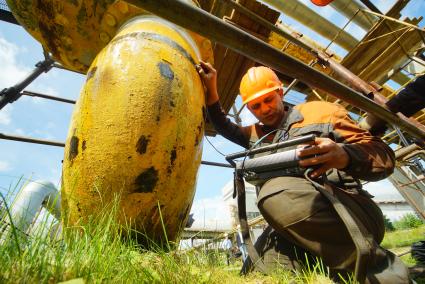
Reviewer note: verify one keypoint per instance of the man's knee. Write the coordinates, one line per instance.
(271, 209)
(288, 207)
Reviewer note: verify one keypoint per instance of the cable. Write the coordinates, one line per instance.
(258, 142)
(218, 151)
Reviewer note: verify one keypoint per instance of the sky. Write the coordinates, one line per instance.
(45, 119)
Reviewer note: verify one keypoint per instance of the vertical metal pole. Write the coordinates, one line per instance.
(295, 81)
(341, 30)
(236, 115)
(402, 138)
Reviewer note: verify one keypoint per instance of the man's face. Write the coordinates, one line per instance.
(268, 108)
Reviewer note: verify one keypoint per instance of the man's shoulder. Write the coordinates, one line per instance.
(320, 109)
(319, 106)
(319, 112)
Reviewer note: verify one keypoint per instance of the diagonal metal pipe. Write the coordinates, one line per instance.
(205, 24)
(371, 6)
(309, 18)
(354, 81)
(349, 8)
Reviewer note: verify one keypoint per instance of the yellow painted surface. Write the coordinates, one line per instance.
(74, 31)
(280, 42)
(137, 129)
(138, 125)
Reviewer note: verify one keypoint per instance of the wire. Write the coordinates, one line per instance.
(218, 151)
(284, 133)
(258, 142)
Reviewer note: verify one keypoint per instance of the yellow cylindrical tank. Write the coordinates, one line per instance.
(137, 127)
(137, 130)
(75, 31)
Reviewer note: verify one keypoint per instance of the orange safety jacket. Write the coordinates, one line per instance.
(370, 158)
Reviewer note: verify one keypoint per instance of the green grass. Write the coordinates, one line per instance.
(403, 238)
(98, 252)
(400, 241)
(100, 255)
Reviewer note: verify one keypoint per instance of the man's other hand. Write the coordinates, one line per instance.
(324, 154)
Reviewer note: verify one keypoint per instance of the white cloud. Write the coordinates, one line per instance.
(44, 134)
(383, 191)
(19, 131)
(212, 213)
(5, 115)
(4, 166)
(12, 71)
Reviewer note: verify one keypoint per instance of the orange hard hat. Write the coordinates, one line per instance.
(257, 82)
(321, 2)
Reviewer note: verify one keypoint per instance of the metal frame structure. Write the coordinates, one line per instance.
(348, 94)
(5, 14)
(195, 19)
(408, 28)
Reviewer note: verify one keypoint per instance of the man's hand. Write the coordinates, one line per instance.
(209, 77)
(329, 155)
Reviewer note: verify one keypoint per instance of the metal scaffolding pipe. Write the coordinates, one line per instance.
(7, 16)
(61, 144)
(207, 163)
(279, 30)
(47, 97)
(311, 19)
(349, 8)
(371, 6)
(238, 7)
(308, 17)
(31, 140)
(397, 21)
(205, 24)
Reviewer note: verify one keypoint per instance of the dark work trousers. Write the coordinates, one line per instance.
(305, 223)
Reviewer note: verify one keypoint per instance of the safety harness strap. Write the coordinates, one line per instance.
(239, 186)
(363, 248)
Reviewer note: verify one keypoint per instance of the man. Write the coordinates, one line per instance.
(301, 219)
(226, 245)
